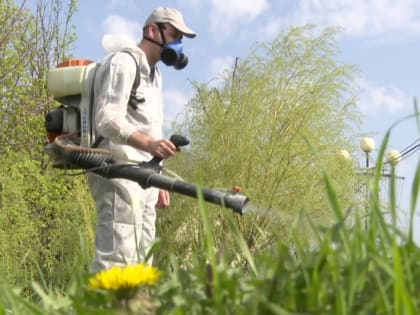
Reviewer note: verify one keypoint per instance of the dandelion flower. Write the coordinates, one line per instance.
(125, 278)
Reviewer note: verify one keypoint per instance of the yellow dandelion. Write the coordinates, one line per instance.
(126, 277)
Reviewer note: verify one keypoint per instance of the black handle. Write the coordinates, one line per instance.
(178, 141)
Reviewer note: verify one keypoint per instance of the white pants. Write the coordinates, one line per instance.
(126, 218)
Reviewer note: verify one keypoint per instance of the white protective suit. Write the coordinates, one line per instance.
(125, 212)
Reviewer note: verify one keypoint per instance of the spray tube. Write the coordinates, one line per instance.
(146, 174)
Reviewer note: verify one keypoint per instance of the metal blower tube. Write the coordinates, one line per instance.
(146, 177)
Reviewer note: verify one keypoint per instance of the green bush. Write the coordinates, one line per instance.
(252, 130)
(348, 268)
(43, 214)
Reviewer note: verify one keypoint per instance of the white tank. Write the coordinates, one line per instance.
(67, 79)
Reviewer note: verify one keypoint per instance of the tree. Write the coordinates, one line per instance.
(30, 43)
(277, 120)
(43, 213)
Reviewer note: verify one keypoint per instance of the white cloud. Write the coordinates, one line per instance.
(217, 68)
(220, 64)
(226, 14)
(382, 99)
(118, 25)
(174, 103)
(361, 17)
(116, 42)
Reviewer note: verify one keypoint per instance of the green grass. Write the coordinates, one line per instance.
(349, 268)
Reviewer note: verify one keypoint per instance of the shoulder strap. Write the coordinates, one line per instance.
(134, 101)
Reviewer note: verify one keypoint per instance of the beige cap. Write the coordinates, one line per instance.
(171, 16)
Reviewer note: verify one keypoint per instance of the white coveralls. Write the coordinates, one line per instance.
(126, 213)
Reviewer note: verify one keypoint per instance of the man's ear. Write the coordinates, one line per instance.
(153, 30)
(147, 31)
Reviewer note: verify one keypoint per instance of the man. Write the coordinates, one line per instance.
(131, 127)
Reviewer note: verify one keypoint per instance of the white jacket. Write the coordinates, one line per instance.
(113, 118)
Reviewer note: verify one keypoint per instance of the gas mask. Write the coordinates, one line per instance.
(171, 53)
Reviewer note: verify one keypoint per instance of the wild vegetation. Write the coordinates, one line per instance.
(253, 130)
(273, 124)
(41, 211)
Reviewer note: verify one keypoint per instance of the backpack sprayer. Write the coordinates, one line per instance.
(70, 132)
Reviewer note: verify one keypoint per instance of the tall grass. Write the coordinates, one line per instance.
(349, 268)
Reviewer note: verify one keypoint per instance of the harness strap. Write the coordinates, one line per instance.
(133, 101)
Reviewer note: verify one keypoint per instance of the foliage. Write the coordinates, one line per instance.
(29, 44)
(42, 216)
(353, 269)
(322, 262)
(43, 213)
(254, 128)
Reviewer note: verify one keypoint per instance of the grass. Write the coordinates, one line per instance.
(352, 268)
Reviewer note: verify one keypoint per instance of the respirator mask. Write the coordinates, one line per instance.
(171, 53)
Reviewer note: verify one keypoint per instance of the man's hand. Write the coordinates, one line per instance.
(163, 148)
(164, 199)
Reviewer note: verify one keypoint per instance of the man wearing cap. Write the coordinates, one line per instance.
(131, 128)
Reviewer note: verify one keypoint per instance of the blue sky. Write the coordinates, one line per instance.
(380, 37)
